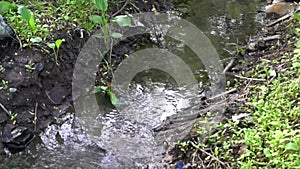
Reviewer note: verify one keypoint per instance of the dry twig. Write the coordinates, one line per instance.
(210, 155)
(230, 65)
(247, 78)
(35, 115)
(19, 40)
(5, 110)
(120, 10)
(282, 18)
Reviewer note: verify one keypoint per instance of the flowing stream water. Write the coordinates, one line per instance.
(126, 140)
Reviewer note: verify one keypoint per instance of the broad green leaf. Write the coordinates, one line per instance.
(31, 23)
(58, 43)
(25, 13)
(98, 89)
(297, 31)
(5, 7)
(113, 98)
(96, 19)
(216, 152)
(36, 40)
(100, 36)
(296, 65)
(122, 20)
(51, 45)
(101, 5)
(297, 16)
(297, 52)
(116, 35)
(274, 123)
(104, 88)
(297, 44)
(267, 153)
(292, 146)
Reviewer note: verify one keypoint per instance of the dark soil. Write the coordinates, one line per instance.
(40, 91)
(37, 96)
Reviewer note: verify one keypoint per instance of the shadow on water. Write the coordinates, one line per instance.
(127, 141)
(226, 22)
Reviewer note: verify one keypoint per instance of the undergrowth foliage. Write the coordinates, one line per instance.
(268, 134)
(36, 22)
(41, 19)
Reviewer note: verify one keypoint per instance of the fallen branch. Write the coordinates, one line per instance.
(210, 155)
(120, 10)
(47, 94)
(109, 57)
(190, 114)
(223, 94)
(282, 18)
(230, 65)
(179, 126)
(35, 116)
(4, 109)
(246, 78)
(270, 38)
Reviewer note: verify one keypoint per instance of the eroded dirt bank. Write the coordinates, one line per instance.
(36, 90)
(33, 94)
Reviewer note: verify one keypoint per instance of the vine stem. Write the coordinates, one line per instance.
(120, 10)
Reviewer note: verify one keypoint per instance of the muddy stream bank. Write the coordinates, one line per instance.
(46, 122)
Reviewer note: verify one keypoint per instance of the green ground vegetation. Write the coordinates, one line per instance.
(37, 21)
(40, 19)
(268, 133)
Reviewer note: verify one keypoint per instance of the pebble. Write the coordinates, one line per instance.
(12, 90)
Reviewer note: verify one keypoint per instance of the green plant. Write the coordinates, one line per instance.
(40, 19)
(107, 35)
(275, 139)
(4, 85)
(102, 19)
(101, 5)
(55, 47)
(107, 89)
(183, 145)
(17, 15)
(6, 7)
(30, 66)
(9, 113)
(81, 10)
(12, 116)
(269, 137)
(2, 69)
(28, 16)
